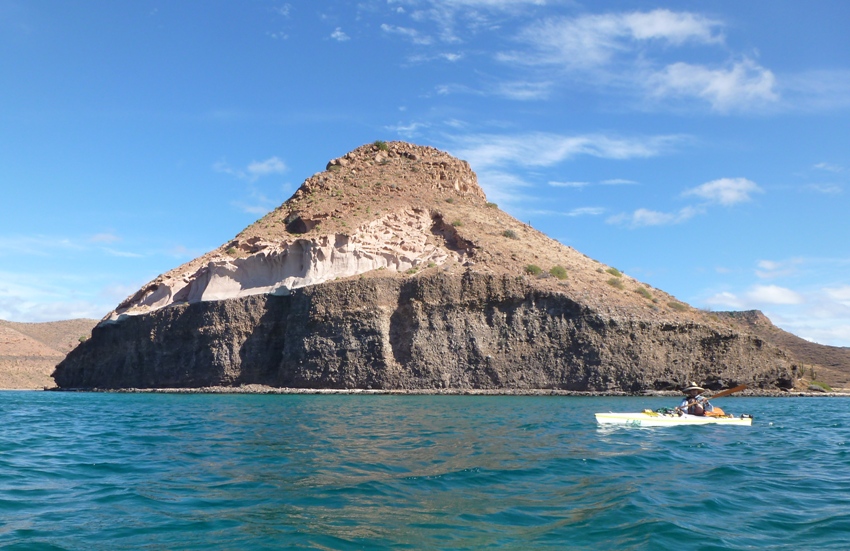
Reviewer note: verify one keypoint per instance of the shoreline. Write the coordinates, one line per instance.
(261, 389)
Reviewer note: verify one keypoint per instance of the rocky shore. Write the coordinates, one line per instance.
(262, 389)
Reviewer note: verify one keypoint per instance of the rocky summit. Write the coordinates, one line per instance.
(390, 270)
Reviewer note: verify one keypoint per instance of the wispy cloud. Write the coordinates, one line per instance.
(503, 187)
(591, 41)
(523, 90)
(409, 33)
(839, 294)
(826, 189)
(645, 217)
(407, 130)
(577, 185)
(770, 269)
(543, 149)
(255, 169)
(725, 191)
(829, 167)
(105, 237)
(581, 185)
(33, 297)
(816, 90)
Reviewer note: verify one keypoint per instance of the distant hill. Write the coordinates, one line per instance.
(30, 351)
(831, 364)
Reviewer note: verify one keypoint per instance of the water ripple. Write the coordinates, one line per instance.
(108, 471)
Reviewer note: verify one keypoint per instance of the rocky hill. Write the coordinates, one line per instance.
(829, 364)
(30, 351)
(390, 269)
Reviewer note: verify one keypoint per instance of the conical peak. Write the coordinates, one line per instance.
(394, 168)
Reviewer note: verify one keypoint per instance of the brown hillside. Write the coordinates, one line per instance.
(30, 351)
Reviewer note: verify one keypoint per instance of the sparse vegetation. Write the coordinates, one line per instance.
(492, 206)
(614, 272)
(412, 271)
(559, 272)
(457, 223)
(821, 384)
(644, 293)
(616, 283)
(231, 251)
(677, 306)
(533, 269)
(335, 168)
(450, 200)
(381, 145)
(83, 339)
(510, 234)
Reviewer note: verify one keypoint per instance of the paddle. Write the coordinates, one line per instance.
(720, 394)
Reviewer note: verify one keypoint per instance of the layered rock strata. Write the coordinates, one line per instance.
(435, 331)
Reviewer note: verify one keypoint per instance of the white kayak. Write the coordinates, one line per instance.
(649, 418)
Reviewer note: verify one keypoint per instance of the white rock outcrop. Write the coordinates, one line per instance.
(397, 242)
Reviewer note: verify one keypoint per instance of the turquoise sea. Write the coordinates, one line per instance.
(165, 471)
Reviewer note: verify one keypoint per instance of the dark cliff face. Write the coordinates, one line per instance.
(436, 330)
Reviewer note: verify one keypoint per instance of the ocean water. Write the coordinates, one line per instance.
(160, 471)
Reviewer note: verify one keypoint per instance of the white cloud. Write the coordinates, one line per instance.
(411, 34)
(272, 165)
(646, 217)
(744, 86)
(569, 184)
(726, 191)
(254, 170)
(839, 294)
(581, 211)
(123, 254)
(818, 90)
(820, 314)
(408, 130)
(105, 237)
(502, 187)
(523, 90)
(37, 245)
(339, 35)
(32, 297)
(543, 149)
(826, 189)
(617, 182)
(773, 294)
(829, 167)
(586, 211)
(591, 41)
(769, 269)
(726, 299)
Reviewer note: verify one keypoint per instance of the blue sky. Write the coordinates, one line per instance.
(702, 147)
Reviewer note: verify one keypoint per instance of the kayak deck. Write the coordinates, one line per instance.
(654, 419)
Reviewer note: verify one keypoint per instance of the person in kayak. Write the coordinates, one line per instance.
(694, 403)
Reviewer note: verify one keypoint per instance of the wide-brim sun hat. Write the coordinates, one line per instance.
(692, 386)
